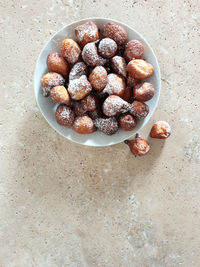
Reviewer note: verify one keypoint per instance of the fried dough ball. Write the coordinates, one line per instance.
(115, 32)
(49, 80)
(78, 70)
(115, 85)
(160, 130)
(108, 126)
(107, 48)
(119, 65)
(98, 78)
(87, 33)
(59, 94)
(139, 69)
(139, 110)
(57, 63)
(79, 88)
(83, 125)
(70, 50)
(64, 115)
(138, 146)
(127, 122)
(143, 91)
(115, 105)
(134, 50)
(91, 57)
(89, 103)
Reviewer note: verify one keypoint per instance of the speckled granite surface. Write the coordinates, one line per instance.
(62, 204)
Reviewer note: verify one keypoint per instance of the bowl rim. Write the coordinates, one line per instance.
(108, 20)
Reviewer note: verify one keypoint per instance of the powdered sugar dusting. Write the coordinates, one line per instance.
(90, 55)
(113, 105)
(98, 78)
(83, 122)
(119, 65)
(50, 80)
(64, 115)
(78, 88)
(131, 81)
(107, 47)
(115, 85)
(139, 110)
(108, 126)
(115, 32)
(78, 70)
(70, 50)
(88, 28)
(163, 128)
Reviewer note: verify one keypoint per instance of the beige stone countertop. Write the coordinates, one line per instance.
(63, 204)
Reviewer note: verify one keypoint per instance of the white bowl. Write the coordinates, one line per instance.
(47, 107)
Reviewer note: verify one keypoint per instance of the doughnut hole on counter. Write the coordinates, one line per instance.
(70, 50)
(57, 63)
(65, 115)
(138, 146)
(127, 122)
(83, 125)
(49, 80)
(87, 33)
(160, 130)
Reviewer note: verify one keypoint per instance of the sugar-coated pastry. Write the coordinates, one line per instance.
(70, 50)
(57, 63)
(134, 50)
(79, 88)
(87, 33)
(115, 32)
(115, 85)
(83, 125)
(139, 69)
(49, 80)
(65, 115)
(98, 78)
